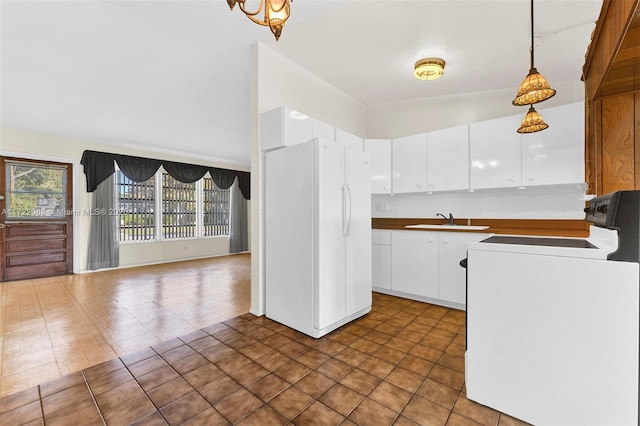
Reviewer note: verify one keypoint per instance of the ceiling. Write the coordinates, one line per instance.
(173, 76)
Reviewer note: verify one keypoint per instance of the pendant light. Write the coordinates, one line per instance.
(532, 122)
(534, 87)
(275, 13)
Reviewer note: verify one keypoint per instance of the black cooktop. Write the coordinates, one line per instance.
(540, 241)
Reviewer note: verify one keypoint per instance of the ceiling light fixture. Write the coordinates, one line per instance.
(276, 13)
(534, 87)
(429, 68)
(532, 122)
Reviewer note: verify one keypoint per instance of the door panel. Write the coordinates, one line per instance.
(36, 227)
(358, 241)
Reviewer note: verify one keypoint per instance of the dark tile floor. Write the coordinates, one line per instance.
(402, 364)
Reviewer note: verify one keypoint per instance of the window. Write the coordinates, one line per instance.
(163, 208)
(35, 191)
(137, 209)
(178, 208)
(215, 208)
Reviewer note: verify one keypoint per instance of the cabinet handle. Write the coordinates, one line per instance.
(445, 241)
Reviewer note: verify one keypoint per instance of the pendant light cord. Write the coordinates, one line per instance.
(532, 34)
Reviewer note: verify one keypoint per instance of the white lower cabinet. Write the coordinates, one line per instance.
(381, 258)
(452, 278)
(414, 263)
(422, 265)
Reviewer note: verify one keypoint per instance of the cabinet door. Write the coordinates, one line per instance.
(350, 142)
(555, 155)
(322, 130)
(448, 159)
(380, 156)
(452, 277)
(494, 148)
(414, 262)
(282, 127)
(410, 164)
(381, 258)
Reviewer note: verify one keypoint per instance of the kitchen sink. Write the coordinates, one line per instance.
(449, 227)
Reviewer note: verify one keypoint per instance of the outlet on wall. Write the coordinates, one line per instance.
(383, 207)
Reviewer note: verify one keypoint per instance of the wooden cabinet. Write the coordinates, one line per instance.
(495, 153)
(381, 258)
(380, 156)
(555, 155)
(414, 263)
(448, 159)
(409, 164)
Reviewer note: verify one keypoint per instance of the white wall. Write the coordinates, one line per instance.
(398, 119)
(281, 82)
(42, 146)
(544, 202)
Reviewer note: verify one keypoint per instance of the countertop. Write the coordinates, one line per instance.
(544, 227)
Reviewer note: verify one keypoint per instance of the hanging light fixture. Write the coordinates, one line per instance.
(428, 68)
(276, 13)
(532, 122)
(534, 87)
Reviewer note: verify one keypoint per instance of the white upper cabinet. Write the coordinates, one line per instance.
(448, 159)
(495, 153)
(284, 127)
(351, 142)
(410, 164)
(322, 130)
(380, 154)
(555, 155)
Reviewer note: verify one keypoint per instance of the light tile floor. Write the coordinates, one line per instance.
(50, 327)
(400, 364)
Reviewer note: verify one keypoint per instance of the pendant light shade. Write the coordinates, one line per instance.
(532, 122)
(534, 88)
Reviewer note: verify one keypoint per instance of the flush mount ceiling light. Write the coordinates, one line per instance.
(532, 122)
(534, 88)
(429, 68)
(276, 13)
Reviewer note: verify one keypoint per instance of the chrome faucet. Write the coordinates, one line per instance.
(450, 219)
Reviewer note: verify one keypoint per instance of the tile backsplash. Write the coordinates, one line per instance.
(541, 202)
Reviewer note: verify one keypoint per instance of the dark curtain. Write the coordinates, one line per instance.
(185, 173)
(98, 166)
(138, 169)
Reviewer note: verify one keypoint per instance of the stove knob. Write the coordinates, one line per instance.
(603, 208)
(589, 210)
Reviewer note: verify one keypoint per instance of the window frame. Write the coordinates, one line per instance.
(158, 211)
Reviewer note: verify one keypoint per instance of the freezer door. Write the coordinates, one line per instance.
(329, 291)
(358, 239)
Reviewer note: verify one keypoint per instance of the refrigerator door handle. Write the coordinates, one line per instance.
(348, 210)
(344, 209)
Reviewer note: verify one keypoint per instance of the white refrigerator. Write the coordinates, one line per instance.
(318, 236)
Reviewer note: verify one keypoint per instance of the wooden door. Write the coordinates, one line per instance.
(36, 226)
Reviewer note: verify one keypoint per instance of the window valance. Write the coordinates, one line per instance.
(98, 166)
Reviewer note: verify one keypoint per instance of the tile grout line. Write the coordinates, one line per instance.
(93, 398)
